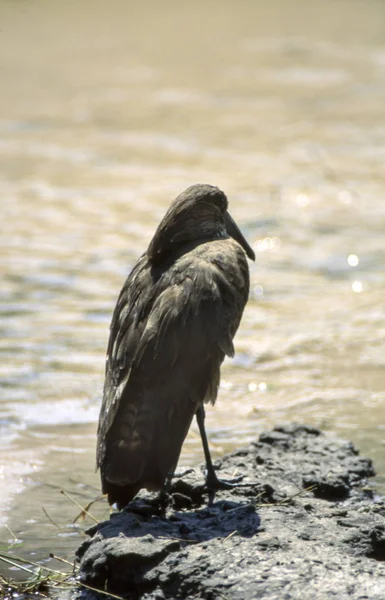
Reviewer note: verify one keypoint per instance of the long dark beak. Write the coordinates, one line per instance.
(234, 231)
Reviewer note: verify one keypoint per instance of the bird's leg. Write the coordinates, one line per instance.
(212, 482)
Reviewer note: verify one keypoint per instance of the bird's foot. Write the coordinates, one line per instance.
(214, 484)
(179, 473)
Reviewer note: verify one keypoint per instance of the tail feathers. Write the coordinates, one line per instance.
(129, 466)
(118, 494)
(127, 471)
(124, 463)
(143, 446)
(127, 445)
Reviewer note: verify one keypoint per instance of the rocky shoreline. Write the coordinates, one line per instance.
(305, 526)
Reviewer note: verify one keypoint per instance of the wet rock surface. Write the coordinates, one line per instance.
(305, 526)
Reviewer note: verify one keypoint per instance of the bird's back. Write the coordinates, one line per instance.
(172, 326)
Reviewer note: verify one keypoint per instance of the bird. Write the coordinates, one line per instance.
(173, 325)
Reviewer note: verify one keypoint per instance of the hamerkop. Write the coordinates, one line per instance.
(173, 324)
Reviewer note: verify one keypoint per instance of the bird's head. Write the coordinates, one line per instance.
(198, 213)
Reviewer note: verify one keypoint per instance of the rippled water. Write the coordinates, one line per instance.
(107, 112)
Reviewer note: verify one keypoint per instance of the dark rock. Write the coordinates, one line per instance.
(306, 526)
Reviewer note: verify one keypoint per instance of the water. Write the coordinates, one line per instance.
(107, 112)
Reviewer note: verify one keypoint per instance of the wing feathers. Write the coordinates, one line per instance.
(170, 332)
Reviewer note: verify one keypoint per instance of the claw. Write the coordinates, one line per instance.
(214, 484)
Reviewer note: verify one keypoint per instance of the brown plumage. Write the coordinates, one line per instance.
(173, 324)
